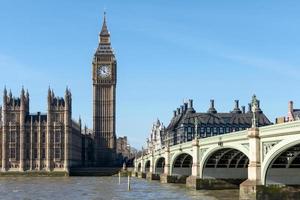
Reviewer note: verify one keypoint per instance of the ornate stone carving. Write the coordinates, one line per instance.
(267, 146)
(201, 153)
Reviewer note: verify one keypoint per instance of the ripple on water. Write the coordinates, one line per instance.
(105, 188)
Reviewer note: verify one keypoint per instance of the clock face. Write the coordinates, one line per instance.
(103, 71)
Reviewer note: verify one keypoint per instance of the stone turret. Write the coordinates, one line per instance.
(23, 112)
(68, 119)
(4, 106)
(4, 130)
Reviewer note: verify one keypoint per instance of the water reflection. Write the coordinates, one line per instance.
(105, 188)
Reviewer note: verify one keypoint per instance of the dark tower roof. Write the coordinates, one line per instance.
(104, 30)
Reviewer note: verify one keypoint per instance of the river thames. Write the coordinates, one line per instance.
(101, 188)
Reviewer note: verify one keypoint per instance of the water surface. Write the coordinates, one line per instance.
(106, 188)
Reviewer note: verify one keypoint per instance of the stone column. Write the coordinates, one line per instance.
(31, 144)
(134, 173)
(151, 174)
(152, 165)
(143, 165)
(39, 146)
(66, 145)
(142, 174)
(22, 148)
(22, 130)
(195, 154)
(136, 165)
(193, 181)
(4, 131)
(167, 169)
(4, 146)
(48, 146)
(68, 131)
(166, 176)
(252, 186)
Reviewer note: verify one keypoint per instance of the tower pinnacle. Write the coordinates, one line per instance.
(104, 31)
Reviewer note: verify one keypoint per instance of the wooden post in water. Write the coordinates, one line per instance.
(128, 182)
(119, 178)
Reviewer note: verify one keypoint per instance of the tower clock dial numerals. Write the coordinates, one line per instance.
(103, 71)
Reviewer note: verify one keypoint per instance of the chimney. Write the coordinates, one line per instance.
(243, 109)
(178, 111)
(212, 107)
(181, 109)
(291, 106)
(249, 107)
(290, 111)
(174, 113)
(190, 103)
(185, 107)
(212, 103)
(236, 107)
(190, 106)
(236, 104)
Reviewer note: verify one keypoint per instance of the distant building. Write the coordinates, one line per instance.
(187, 124)
(155, 140)
(123, 147)
(87, 155)
(292, 115)
(39, 142)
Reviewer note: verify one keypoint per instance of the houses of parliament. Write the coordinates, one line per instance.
(53, 141)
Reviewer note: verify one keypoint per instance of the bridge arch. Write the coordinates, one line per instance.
(225, 162)
(147, 166)
(182, 164)
(281, 164)
(159, 165)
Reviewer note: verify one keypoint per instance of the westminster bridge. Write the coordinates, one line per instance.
(251, 159)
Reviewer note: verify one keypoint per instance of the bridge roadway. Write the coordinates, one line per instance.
(251, 159)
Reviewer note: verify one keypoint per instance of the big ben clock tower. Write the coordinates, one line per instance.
(104, 100)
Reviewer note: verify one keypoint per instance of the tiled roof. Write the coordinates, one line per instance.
(240, 119)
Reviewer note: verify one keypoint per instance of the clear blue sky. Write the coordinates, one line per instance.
(167, 51)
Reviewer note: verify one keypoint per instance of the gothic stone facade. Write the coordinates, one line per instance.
(155, 141)
(39, 142)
